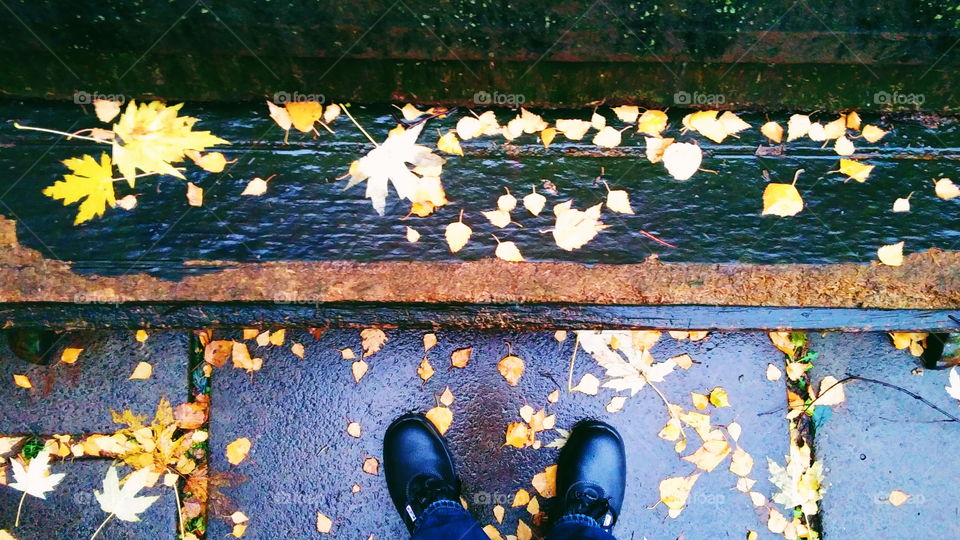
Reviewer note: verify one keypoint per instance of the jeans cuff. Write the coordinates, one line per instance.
(578, 519)
(438, 506)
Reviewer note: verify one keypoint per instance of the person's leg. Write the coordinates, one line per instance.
(591, 481)
(423, 482)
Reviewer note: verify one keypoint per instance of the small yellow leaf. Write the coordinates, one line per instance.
(797, 126)
(547, 136)
(460, 357)
(675, 491)
(238, 450)
(772, 131)
(373, 340)
(627, 113)
(607, 137)
(280, 116)
(773, 372)
(718, 397)
(347, 354)
(700, 401)
(616, 404)
(324, 524)
(354, 430)
(619, 201)
(708, 456)
(573, 129)
(141, 336)
(741, 463)
(656, 146)
(446, 398)
(589, 384)
(106, 109)
(70, 355)
(834, 392)
(533, 507)
(238, 530)
(844, 147)
(682, 160)
(256, 187)
(142, 372)
(853, 120)
(546, 482)
(277, 338)
(359, 369)
(371, 466)
(683, 361)
(498, 512)
(441, 418)
(872, 133)
(22, 381)
(554, 396)
(902, 204)
(891, 255)
(303, 114)
(429, 341)
(425, 370)
(946, 189)
(511, 368)
(236, 517)
(734, 429)
(506, 203)
(517, 435)
(652, 123)
(508, 251)
(598, 121)
(523, 531)
(521, 498)
(897, 497)
(534, 202)
(298, 350)
(499, 218)
(781, 200)
(412, 235)
(492, 532)
(457, 235)
(449, 144)
(127, 202)
(855, 170)
(211, 162)
(194, 194)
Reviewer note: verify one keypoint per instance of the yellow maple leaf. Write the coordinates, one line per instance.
(90, 181)
(151, 137)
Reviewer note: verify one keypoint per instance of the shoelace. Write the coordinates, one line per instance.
(587, 503)
(426, 490)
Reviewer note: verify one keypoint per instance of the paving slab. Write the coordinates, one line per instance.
(71, 510)
(881, 439)
(77, 398)
(302, 461)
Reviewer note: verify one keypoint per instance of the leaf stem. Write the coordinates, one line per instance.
(96, 532)
(55, 132)
(19, 507)
(354, 120)
(573, 358)
(176, 493)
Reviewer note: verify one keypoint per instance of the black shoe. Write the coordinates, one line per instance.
(418, 467)
(592, 473)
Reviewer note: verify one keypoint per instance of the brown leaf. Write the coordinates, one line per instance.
(190, 415)
(217, 352)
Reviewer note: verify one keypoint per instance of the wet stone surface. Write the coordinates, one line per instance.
(77, 398)
(296, 412)
(71, 511)
(880, 440)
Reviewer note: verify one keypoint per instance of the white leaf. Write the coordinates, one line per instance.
(124, 502)
(954, 388)
(35, 479)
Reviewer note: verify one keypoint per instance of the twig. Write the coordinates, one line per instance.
(573, 357)
(55, 132)
(657, 240)
(895, 387)
(176, 493)
(665, 402)
(354, 120)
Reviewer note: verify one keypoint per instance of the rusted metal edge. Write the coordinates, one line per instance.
(468, 316)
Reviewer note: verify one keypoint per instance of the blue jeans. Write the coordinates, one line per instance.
(448, 520)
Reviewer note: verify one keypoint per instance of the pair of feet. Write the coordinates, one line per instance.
(591, 470)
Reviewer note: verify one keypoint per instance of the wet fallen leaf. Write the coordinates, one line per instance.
(626, 113)
(429, 341)
(242, 360)
(511, 368)
(127, 202)
(412, 235)
(855, 170)
(652, 122)
(534, 202)
(734, 429)
(142, 372)
(70, 355)
(607, 137)
(598, 121)
(872, 133)
(492, 532)
(359, 369)
(589, 384)
(946, 189)
(772, 131)
(656, 146)
(124, 503)
(22, 381)
(347, 354)
(573, 129)
(256, 187)
(616, 404)
(700, 401)
(682, 160)
(897, 497)
(373, 340)
(298, 350)
(574, 228)
(831, 391)
(675, 491)
(449, 144)
(797, 126)
(441, 418)
(718, 397)
(533, 507)
(683, 361)
(546, 482)
(106, 109)
(741, 463)
(508, 251)
(353, 429)
(618, 201)
(277, 338)
(773, 373)
(555, 395)
(499, 218)
(446, 398)
(844, 147)
(795, 370)
(547, 136)
(709, 455)
(425, 370)
(914, 341)
(498, 512)
(238, 450)
(461, 357)
(457, 235)
(371, 466)
(781, 200)
(517, 435)
(523, 531)
(953, 389)
(263, 339)
(782, 341)
(141, 336)
(324, 523)
(303, 114)
(521, 498)
(891, 255)
(902, 204)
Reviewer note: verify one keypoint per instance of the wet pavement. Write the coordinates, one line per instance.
(295, 411)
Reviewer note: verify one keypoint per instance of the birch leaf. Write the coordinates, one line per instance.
(534, 202)
(891, 255)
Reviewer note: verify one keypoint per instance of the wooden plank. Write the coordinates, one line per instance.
(472, 316)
